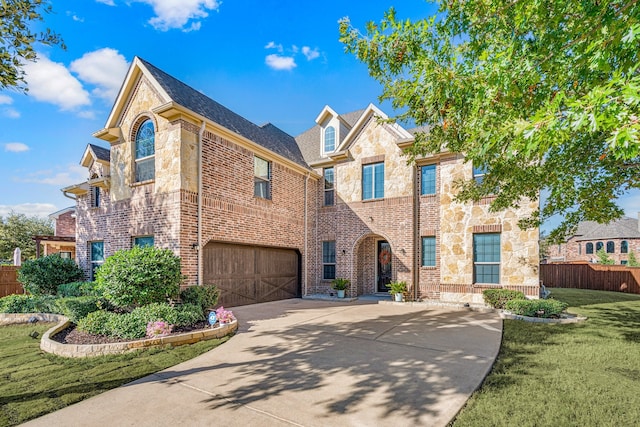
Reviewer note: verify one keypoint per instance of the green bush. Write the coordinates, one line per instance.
(43, 275)
(536, 307)
(76, 308)
(497, 298)
(29, 304)
(134, 325)
(204, 296)
(139, 276)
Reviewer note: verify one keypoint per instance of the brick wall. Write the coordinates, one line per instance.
(575, 250)
(66, 224)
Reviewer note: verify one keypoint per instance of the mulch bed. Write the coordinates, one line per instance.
(72, 335)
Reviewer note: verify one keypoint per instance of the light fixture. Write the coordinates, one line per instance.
(344, 252)
(194, 245)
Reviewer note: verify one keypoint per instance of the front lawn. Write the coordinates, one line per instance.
(585, 374)
(34, 383)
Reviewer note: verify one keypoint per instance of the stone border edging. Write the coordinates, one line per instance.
(565, 320)
(88, 350)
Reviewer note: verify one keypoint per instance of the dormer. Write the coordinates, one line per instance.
(333, 130)
(98, 161)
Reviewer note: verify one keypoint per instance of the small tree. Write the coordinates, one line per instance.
(633, 261)
(604, 258)
(43, 275)
(139, 276)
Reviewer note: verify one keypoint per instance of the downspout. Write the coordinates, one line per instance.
(306, 235)
(64, 193)
(416, 238)
(200, 200)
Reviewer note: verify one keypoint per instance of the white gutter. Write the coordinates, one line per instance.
(200, 197)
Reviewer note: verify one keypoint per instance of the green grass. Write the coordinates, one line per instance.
(585, 374)
(34, 383)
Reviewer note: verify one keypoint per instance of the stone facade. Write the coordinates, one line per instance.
(294, 215)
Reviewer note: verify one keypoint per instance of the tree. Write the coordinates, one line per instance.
(17, 230)
(43, 275)
(604, 258)
(543, 94)
(633, 261)
(17, 38)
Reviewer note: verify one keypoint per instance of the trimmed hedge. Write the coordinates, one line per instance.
(77, 289)
(536, 307)
(134, 325)
(204, 296)
(22, 303)
(497, 298)
(76, 308)
(43, 275)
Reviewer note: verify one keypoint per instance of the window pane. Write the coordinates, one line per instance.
(261, 168)
(328, 178)
(145, 140)
(97, 251)
(487, 273)
(329, 272)
(329, 252)
(624, 247)
(611, 247)
(328, 198)
(589, 248)
(261, 188)
(428, 251)
(599, 245)
(367, 182)
(145, 169)
(143, 241)
(428, 180)
(329, 139)
(479, 173)
(486, 247)
(379, 181)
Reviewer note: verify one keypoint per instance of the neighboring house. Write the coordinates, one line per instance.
(265, 216)
(63, 241)
(617, 238)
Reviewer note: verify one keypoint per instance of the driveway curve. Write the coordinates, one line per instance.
(313, 363)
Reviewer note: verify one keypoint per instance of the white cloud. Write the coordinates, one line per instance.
(6, 100)
(11, 113)
(105, 68)
(107, 2)
(51, 82)
(310, 53)
(87, 114)
(273, 45)
(177, 13)
(278, 62)
(16, 147)
(30, 209)
(72, 174)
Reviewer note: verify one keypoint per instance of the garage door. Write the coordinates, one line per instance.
(250, 274)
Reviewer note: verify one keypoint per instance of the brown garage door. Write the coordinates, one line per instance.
(250, 274)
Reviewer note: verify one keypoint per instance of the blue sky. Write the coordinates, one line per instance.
(269, 61)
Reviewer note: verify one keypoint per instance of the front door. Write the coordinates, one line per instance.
(384, 265)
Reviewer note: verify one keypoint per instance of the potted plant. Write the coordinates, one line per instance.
(340, 285)
(397, 289)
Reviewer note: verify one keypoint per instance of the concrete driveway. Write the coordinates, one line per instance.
(313, 363)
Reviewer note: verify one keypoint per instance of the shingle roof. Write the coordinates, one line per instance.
(624, 228)
(101, 153)
(268, 136)
(309, 140)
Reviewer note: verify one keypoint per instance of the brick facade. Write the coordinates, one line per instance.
(575, 250)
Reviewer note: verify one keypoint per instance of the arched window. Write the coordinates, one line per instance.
(599, 245)
(329, 139)
(589, 248)
(624, 247)
(611, 247)
(145, 152)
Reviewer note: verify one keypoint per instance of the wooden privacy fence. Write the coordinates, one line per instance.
(9, 281)
(617, 278)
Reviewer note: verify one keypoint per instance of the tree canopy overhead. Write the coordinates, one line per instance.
(545, 94)
(17, 231)
(17, 38)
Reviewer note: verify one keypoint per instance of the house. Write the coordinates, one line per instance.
(63, 241)
(266, 216)
(618, 239)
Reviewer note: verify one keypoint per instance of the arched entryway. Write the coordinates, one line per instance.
(373, 264)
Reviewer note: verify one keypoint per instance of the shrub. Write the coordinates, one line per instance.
(28, 304)
(189, 314)
(536, 307)
(43, 275)
(139, 276)
(204, 296)
(76, 308)
(497, 298)
(158, 329)
(98, 323)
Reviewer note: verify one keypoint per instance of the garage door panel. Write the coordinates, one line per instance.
(249, 275)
